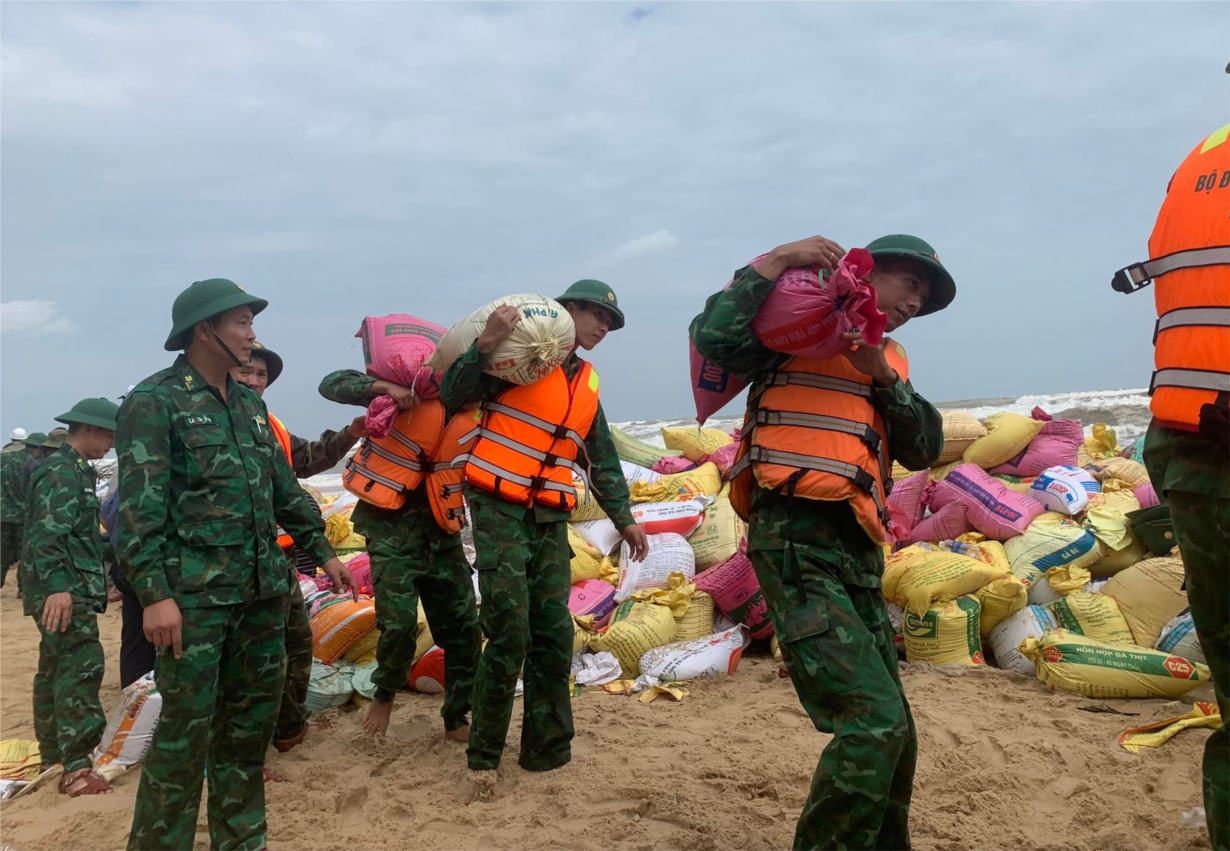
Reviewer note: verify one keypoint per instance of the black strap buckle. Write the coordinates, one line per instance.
(561, 431)
(538, 483)
(1130, 279)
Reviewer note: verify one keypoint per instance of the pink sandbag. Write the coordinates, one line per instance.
(947, 524)
(806, 317)
(361, 569)
(1146, 495)
(395, 347)
(724, 458)
(992, 509)
(1056, 445)
(905, 505)
(712, 386)
(593, 597)
(669, 466)
(383, 411)
(736, 592)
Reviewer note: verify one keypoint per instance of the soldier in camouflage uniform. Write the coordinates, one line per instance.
(203, 489)
(413, 559)
(820, 571)
(523, 559)
(308, 457)
(14, 478)
(65, 588)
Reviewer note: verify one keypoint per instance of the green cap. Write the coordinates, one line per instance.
(93, 412)
(590, 291)
(35, 439)
(205, 299)
(273, 361)
(943, 288)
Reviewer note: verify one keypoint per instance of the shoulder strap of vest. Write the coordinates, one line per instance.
(1139, 275)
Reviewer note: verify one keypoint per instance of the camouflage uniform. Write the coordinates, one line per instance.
(12, 507)
(1194, 475)
(63, 553)
(524, 578)
(202, 491)
(412, 559)
(820, 574)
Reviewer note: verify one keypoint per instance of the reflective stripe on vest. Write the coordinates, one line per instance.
(1140, 275)
(285, 541)
(384, 470)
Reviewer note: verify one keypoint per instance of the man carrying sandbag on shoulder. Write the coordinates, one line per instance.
(519, 487)
(811, 479)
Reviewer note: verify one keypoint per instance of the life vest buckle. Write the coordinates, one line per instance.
(1130, 279)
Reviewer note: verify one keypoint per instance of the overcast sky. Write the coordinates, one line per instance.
(344, 159)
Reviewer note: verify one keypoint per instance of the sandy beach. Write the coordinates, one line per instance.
(1004, 763)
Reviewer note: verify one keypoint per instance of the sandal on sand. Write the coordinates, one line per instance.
(283, 745)
(84, 782)
(272, 776)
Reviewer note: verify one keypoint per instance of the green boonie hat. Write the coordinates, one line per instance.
(36, 439)
(205, 299)
(56, 438)
(94, 412)
(943, 288)
(273, 361)
(590, 291)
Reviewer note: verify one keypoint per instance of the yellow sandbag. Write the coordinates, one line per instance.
(608, 571)
(718, 535)
(587, 507)
(582, 632)
(1007, 435)
(695, 443)
(1131, 473)
(937, 576)
(1110, 526)
(1097, 669)
(999, 599)
(1100, 445)
(776, 648)
(586, 562)
(1052, 540)
(988, 552)
(1118, 497)
(635, 628)
(961, 431)
(676, 596)
(900, 473)
(1149, 595)
(945, 634)
(341, 534)
(1160, 732)
(1092, 615)
(705, 480)
(638, 451)
(363, 651)
(1067, 579)
(1120, 560)
(19, 759)
(697, 621)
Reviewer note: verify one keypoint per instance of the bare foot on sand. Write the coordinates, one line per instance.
(461, 735)
(482, 779)
(376, 721)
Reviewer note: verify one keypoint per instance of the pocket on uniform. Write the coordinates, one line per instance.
(815, 652)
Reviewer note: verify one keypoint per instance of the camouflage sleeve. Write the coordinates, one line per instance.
(315, 456)
(348, 387)
(293, 512)
(143, 452)
(51, 506)
(464, 383)
(723, 333)
(915, 427)
(606, 475)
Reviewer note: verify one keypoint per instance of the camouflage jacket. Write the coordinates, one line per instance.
(1187, 462)
(63, 550)
(203, 488)
(351, 387)
(723, 334)
(309, 457)
(13, 486)
(465, 383)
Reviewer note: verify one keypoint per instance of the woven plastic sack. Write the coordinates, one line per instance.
(736, 592)
(945, 634)
(695, 443)
(1000, 599)
(635, 629)
(1097, 669)
(681, 518)
(917, 578)
(638, 451)
(668, 553)
(961, 431)
(718, 536)
(1056, 445)
(336, 629)
(992, 509)
(711, 656)
(1179, 638)
(697, 621)
(593, 597)
(1007, 435)
(1006, 637)
(131, 727)
(670, 466)
(541, 341)
(427, 674)
(1149, 594)
(1066, 490)
(704, 481)
(905, 504)
(396, 347)
(1093, 615)
(330, 685)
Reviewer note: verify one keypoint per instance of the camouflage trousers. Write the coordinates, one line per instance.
(10, 550)
(219, 702)
(524, 580)
(68, 716)
(837, 643)
(405, 570)
(1202, 529)
(293, 712)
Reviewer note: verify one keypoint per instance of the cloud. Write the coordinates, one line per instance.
(654, 243)
(38, 317)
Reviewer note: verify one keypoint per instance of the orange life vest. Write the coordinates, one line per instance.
(447, 479)
(811, 429)
(1189, 253)
(283, 436)
(530, 436)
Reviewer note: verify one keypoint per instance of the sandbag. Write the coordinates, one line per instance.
(668, 553)
(1179, 638)
(1056, 445)
(587, 508)
(1066, 490)
(1000, 599)
(592, 597)
(992, 509)
(944, 634)
(363, 651)
(635, 629)
(131, 726)
(1052, 540)
(1146, 495)
(360, 568)
(638, 451)
(712, 386)
(396, 347)
(905, 504)
(636, 473)
(540, 342)
(427, 674)
(925, 577)
(1149, 594)
(896, 617)
(1131, 473)
(946, 524)
(599, 534)
(19, 760)
(1102, 444)
(586, 561)
(1058, 582)
(1093, 615)
(330, 685)
(362, 683)
(736, 592)
(961, 431)
(657, 518)
(336, 628)
(975, 545)
(712, 656)
(1007, 436)
(697, 621)
(695, 443)
(671, 466)
(704, 481)
(724, 458)
(1007, 637)
(717, 538)
(1097, 669)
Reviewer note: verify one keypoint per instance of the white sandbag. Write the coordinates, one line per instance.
(131, 728)
(599, 534)
(1029, 622)
(668, 553)
(1179, 639)
(1065, 489)
(541, 341)
(714, 656)
(634, 473)
(330, 685)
